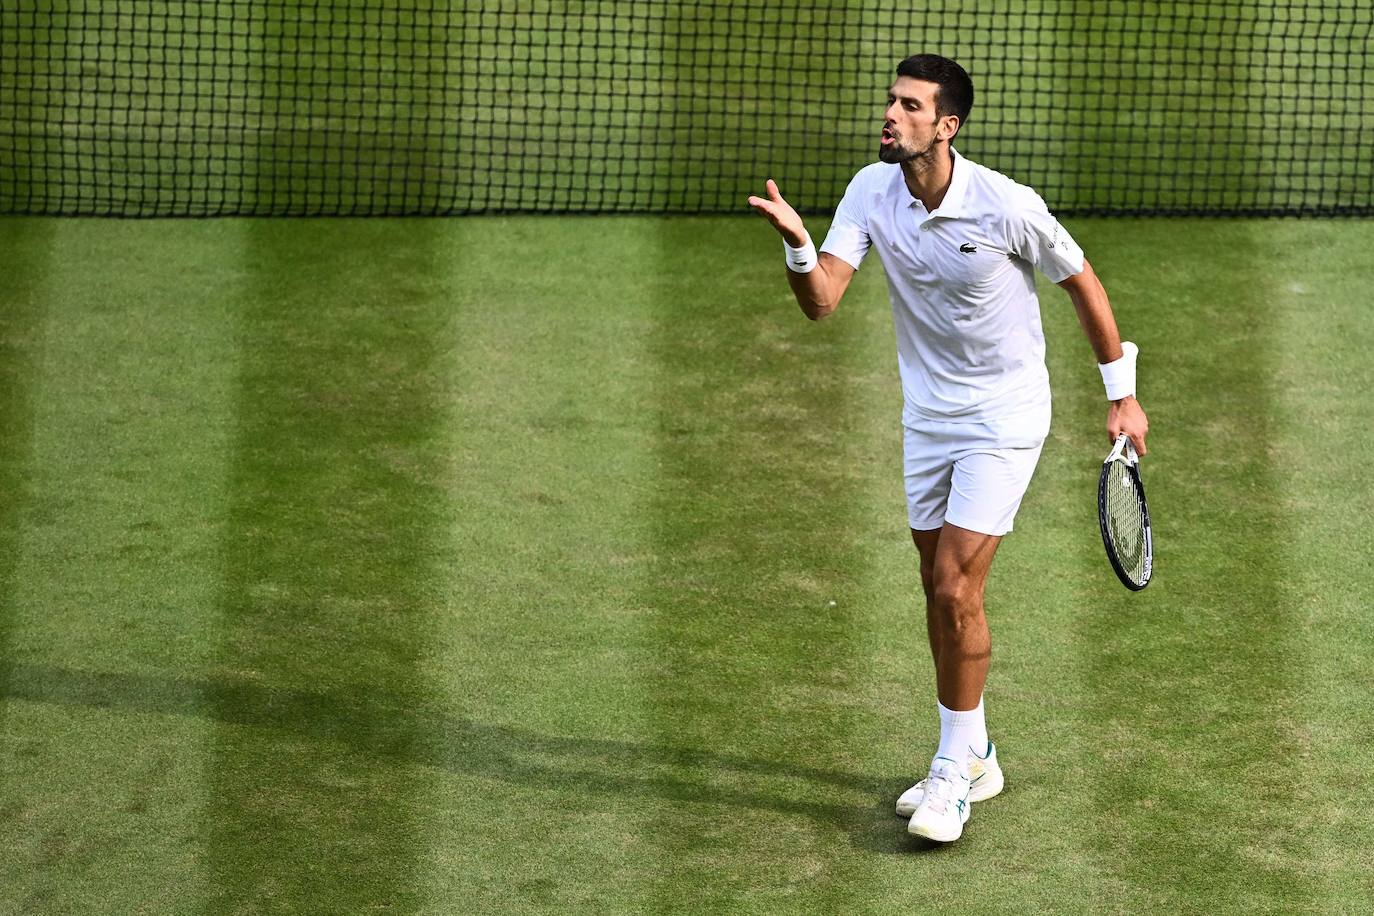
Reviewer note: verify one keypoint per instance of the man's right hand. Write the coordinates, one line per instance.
(780, 213)
(818, 291)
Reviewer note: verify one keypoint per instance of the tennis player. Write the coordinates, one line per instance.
(959, 244)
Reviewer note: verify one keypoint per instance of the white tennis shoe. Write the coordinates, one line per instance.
(985, 781)
(944, 806)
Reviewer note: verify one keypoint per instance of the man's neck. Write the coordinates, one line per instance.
(928, 177)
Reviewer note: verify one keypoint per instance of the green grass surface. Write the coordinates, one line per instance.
(520, 565)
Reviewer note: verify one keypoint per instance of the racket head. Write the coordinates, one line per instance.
(1124, 517)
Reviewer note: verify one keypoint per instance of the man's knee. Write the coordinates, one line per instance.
(957, 601)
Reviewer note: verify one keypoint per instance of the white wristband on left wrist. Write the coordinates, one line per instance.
(1118, 376)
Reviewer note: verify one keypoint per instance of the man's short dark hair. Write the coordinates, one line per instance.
(955, 95)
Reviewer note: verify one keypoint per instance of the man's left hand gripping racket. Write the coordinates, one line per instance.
(1124, 518)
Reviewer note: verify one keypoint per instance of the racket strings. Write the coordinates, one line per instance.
(1126, 521)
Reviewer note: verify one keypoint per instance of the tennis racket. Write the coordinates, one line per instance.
(1124, 517)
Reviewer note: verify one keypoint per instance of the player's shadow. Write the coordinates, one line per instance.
(379, 723)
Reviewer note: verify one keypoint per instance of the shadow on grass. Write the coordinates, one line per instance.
(383, 724)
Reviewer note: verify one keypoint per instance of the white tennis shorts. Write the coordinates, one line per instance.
(973, 475)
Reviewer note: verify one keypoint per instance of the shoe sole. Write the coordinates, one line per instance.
(916, 831)
(922, 830)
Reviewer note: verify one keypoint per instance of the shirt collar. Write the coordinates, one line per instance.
(953, 204)
(955, 196)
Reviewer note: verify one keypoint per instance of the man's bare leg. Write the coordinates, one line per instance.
(926, 544)
(954, 569)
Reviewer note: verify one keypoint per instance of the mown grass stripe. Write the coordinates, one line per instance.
(113, 567)
(1321, 377)
(1191, 684)
(550, 434)
(334, 522)
(759, 595)
(23, 306)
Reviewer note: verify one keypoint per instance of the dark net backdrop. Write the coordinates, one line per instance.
(209, 107)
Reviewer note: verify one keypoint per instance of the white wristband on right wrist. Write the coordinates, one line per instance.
(1119, 375)
(801, 260)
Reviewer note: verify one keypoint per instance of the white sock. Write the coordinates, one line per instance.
(962, 731)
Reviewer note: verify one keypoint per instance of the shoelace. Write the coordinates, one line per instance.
(977, 769)
(940, 789)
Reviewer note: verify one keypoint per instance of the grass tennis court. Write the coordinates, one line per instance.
(535, 565)
(509, 564)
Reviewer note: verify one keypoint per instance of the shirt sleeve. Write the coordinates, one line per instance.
(1034, 235)
(848, 236)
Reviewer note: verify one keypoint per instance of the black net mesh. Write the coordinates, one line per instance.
(208, 107)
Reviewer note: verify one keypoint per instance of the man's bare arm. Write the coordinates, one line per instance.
(819, 290)
(1099, 324)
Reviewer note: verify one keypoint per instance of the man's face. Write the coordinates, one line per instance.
(911, 127)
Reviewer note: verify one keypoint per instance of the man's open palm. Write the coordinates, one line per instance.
(780, 213)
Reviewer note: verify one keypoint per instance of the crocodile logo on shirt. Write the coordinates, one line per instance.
(968, 248)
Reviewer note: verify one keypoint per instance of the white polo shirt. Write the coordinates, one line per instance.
(970, 346)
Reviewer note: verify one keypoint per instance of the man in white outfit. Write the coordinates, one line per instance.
(959, 244)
